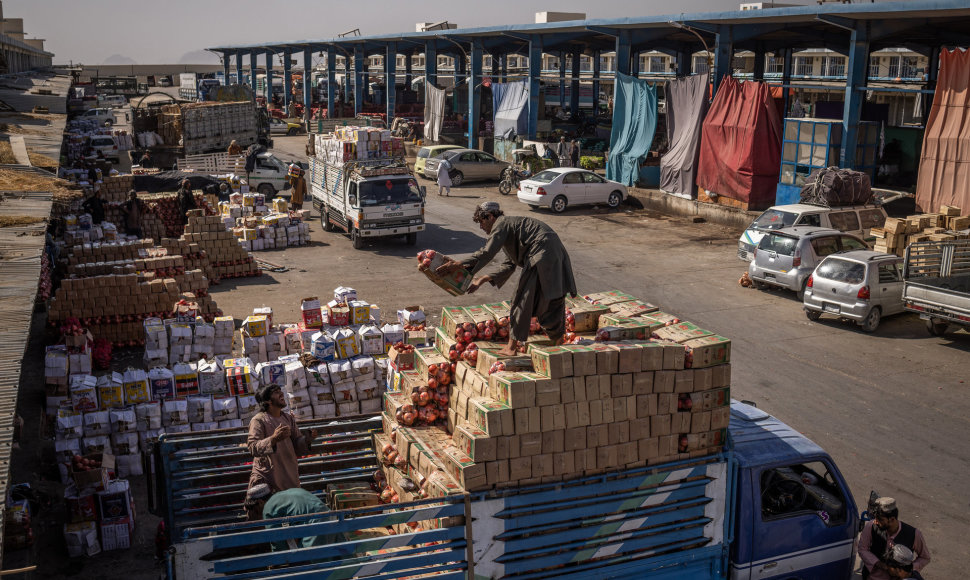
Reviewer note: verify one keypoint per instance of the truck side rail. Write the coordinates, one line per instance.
(357, 545)
(201, 478)
(937, 259)
(213, 163)
(668, 521)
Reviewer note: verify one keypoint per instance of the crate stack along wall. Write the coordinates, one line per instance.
(639, 387)
(207, 126)
(950, 223)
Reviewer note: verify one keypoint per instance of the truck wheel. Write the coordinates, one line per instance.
(325, 221)
(356, 239)
(412, 239)
(937, 328)
(871, 321)
(813, 315)
(267, 190)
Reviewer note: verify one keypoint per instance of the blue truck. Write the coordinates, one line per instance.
(773, 505)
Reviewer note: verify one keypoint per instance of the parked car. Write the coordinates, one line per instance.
(112, 101)
(856, 220)
(562, 187)
(428, 152)
(787, 257)
(467, 165)
(861, 285)
(104, 117)
(164, 81)
(281, 127)
(106, 145)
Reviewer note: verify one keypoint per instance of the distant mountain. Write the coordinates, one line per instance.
(119, 59)
(199, 57)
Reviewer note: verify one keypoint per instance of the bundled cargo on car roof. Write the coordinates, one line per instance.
(834, 186)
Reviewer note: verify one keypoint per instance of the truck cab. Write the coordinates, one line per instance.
(267, 177)
(368, 199)
(795, 517)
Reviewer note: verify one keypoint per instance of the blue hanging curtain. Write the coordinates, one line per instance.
(634, 122)
(509, 105)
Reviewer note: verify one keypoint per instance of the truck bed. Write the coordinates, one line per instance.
(937, 280)
(665, 521)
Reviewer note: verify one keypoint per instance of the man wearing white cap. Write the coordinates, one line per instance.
(546, 278)
(881, 536)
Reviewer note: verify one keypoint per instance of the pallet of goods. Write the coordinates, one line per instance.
(635, 386)
(949, 223)
(227, 258)
(261, 226)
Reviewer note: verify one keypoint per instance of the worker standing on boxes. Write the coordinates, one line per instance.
(546, 278)
(275, 442)
(186, 201)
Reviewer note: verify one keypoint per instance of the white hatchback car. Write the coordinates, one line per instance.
(562, 187)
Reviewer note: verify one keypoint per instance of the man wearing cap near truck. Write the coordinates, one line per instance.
(276, 442)
(878, 539)
(546, 278)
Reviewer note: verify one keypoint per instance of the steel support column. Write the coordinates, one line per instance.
(562, 79)
(307, 84)
(931, 76)
(408, 70)
(857, 73)
(390, 80)
(430, 63)
(461, 75)
(535, 70)
(359, 80)
(596, 81)
(474, 93)
(723, 54)
(635, 63)
(786, 69)
(505, 68)
(759, 64)
(332, 83)
(287, 81)
(269, 79)
(574, 87)
(684, 63)
(252, 71)
(623, 42)
(225, 67)
(239, 69)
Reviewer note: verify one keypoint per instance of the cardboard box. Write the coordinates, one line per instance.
(401, 360)
(609, 297)
(95, 478)
(583, 359)
(454, 283)
(681, 332)
(117, 534)
(707, 351)
(475, 442)
(552, 361)
(493, 417)
(489, 356)
(499, 309)
(468, 474)
(513, 389)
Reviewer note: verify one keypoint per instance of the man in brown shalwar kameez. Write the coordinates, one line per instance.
(546, 278)
(275, 442)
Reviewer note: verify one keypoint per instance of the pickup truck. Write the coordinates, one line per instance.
(936, 283)
(368, 199)
(268, 176)
(773, 505)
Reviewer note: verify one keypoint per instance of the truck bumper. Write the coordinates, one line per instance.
(398, 231)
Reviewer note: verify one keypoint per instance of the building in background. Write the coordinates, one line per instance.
(17, 52)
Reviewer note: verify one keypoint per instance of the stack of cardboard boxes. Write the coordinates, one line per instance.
(897, 233)
(571, 410)
(226, 256)
(115, 188)
(357, 144)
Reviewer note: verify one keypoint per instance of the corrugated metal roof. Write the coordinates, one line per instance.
(20, 258)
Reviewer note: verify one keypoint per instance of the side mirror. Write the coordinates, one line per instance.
(424, 192)
(353, 199)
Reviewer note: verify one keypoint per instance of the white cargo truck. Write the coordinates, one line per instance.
(368, 199)
(267, 177)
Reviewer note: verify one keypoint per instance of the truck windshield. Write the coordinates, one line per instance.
(388, 191)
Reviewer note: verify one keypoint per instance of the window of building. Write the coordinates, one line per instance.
(700, 65)
(658, 64)
(893, 67)
(803, 66)
(835, 66)
(912, 68)
(585, 63)
(774, 65)
(874, 67)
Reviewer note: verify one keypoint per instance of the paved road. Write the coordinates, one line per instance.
(891, 407)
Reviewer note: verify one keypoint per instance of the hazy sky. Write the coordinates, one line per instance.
(162, 31)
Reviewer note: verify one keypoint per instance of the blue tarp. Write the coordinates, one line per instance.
(634, 122)
(509, 103)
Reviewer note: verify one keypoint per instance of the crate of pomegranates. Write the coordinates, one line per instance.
(454, 283)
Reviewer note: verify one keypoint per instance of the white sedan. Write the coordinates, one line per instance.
(562, 187)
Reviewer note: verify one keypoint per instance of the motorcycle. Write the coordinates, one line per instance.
(515, 173)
